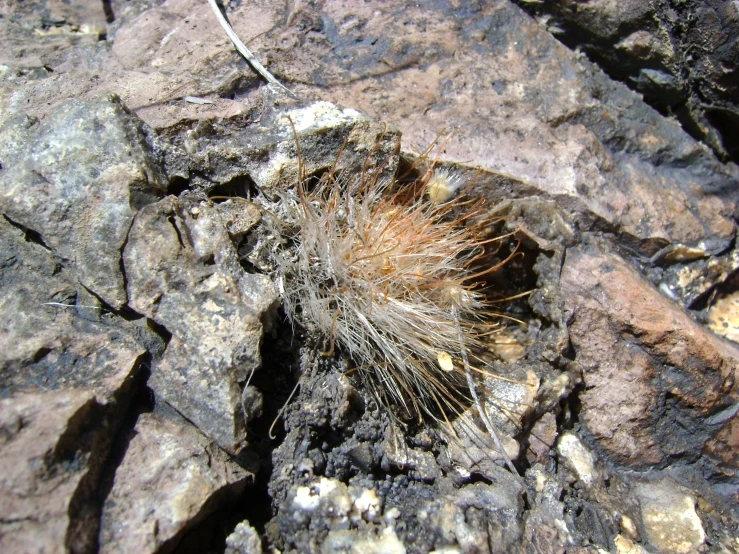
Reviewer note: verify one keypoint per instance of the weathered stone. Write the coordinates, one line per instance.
(587, 142)
(669, 517)
(575, 151)
(43, 464)
(545, 121)
(244, 540)
(77, 179)
(723, 315)
(577, 456)
(680, 56)
(65, 382)
(542, 438)
(652, 375)
(544, 527)
(692, 281)
(624, 545)
(184, 273)
(326, 137)
(171, 478)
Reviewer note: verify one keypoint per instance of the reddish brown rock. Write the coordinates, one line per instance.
(170, 479)
(544, 119)
(652, 375)
(42, 465)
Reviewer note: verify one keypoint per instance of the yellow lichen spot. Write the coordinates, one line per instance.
(723, 316)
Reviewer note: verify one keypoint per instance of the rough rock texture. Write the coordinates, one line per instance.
(543, 119)
(242, 153)
(652, 376)
(243, 539)
(619, 402)
(169, 480)
(184, 273)
(670, 519)
(88, 171)
(66, 380)
(683, 56)
(44, 468)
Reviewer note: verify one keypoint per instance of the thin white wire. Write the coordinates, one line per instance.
(244, 51)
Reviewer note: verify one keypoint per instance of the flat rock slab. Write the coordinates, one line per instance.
(171, 478)
(49, 341)
(184, 273)
(653, 377)
(521, 105)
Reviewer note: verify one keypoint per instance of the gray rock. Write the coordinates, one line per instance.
(244, 540)
(170, 478)
(326, 135)
(682, 56)
(184, 273)
(77, 179)
(66, 381)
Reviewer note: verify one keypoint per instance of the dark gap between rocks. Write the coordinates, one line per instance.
(30, 234)
(86, 505)
(142, 402)
(240, 186)
(275, 380)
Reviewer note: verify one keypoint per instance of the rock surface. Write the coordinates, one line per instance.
(184, 273)
(682, 56)
(89, 171)
(66, 380)
(170, 479)
(652, 376)
(670, 519)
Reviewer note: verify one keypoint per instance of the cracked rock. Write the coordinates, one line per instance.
(171, 478)
(77, 179)
(183, 272)
(66, 381)
(653, 377)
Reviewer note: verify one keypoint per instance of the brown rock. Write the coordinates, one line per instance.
(652, 375)
(546, 120)
(542, 437)
(171, 478)
(43, 463)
